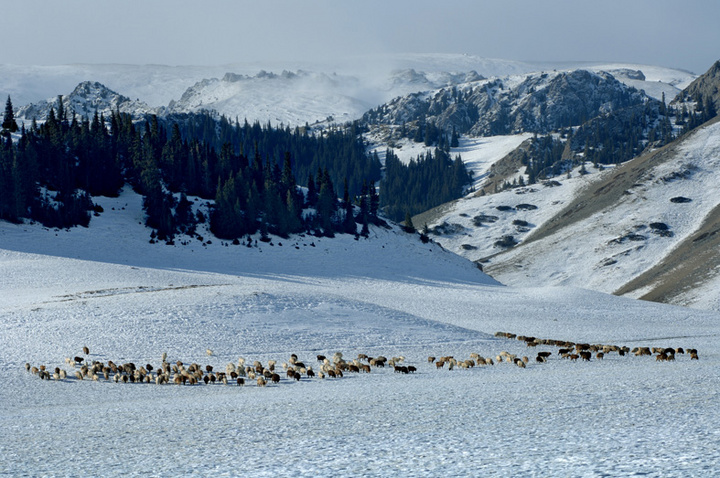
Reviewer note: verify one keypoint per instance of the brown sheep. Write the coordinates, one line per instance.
(261, 382)
(585, 355)
(240, 381)
(275, 378)
(86, 351)
(431, 359)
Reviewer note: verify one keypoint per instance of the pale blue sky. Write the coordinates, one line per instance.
(179, 32)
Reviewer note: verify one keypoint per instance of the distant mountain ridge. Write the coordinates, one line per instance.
(87, 99)
(540, 103)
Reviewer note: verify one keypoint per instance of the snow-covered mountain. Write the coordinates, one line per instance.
(312, 92)
(643, 229)
(208, 302)
(541, 103)
(87, 99)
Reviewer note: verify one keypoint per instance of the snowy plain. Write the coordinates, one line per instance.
(108, 288)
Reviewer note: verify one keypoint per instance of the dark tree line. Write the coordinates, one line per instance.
(50, 173)
(428, 181)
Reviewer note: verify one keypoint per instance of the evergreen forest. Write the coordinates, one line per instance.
(272, 180)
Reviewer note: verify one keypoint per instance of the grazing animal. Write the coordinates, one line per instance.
(209, 352)
(261, 382)
(310, 372)
(240, 381)
(275, 378)
(86, 351)
(585, 355)
(321, 358)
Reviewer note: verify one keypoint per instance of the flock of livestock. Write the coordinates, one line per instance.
(333, 367)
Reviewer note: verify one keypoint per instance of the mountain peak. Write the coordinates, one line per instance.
(87, 99)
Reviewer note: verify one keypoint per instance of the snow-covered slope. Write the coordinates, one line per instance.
(108, 288)
(288, 98)
(627, 222)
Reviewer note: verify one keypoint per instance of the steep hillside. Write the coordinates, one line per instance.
(707, 87)
(633, 230)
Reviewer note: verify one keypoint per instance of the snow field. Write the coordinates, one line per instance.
(129, 300)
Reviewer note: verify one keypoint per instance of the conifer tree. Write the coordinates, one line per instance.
(9, 123)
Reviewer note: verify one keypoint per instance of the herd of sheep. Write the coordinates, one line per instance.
(333, 367)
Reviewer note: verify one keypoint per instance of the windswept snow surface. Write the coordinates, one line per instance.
(127, 300)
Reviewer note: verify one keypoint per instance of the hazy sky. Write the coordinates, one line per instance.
(178, 32)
